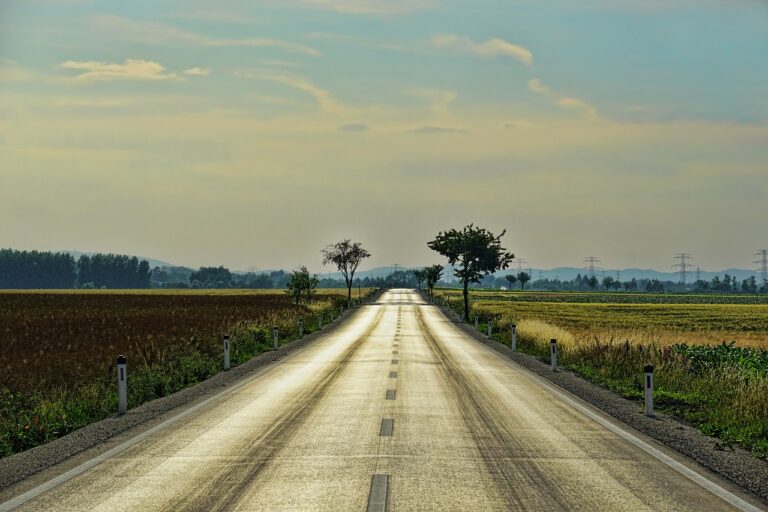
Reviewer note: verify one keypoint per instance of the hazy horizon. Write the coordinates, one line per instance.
(225, 133)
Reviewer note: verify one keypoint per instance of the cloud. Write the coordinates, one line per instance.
(494, 47)
(196, 71)
(7, 61)
(439, 99)
(538, 87)
(373, 7)
(323, 98)
(438, 129)
(576, 103)
(161, 33)
(354, 128)
(219, 16)
(131, 69)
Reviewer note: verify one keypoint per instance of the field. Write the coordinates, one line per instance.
(58, 349)
(711, 358)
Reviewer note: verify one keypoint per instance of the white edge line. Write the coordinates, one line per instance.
(684, 470)
(91, 463)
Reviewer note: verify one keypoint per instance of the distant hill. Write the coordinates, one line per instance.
(152, 262)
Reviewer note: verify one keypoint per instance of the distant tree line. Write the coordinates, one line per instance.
(586, 283)
(49, 270)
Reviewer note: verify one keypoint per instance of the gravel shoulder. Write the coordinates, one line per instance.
(25, 470)
(734, 464)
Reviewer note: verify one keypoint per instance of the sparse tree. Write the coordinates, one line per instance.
(475, 252)
(346, 255)
(512, 280)
(608, 282)
(523, 277)
(432, 275)
(592, 282)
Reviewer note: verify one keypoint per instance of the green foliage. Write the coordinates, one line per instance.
(301, 285)
(474, 252)
(432, 274)
(347, 256)
(35, 270)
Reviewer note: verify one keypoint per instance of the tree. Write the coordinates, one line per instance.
(512, 280)
(300, 284)
(608, 282)
(420, 276)
(475, 252)
(523, 277)
(592, 282)
(346, 255)
(432, 275)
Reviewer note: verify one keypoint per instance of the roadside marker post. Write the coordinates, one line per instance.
(553, 354)
(301, 327)
(649, 390)
(226, 351)
(276, 336)
(476, 322)
(319, 321)
(490, 328)
(122, 385)
(513, 344)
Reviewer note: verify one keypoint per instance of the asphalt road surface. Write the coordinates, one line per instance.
(397, 409)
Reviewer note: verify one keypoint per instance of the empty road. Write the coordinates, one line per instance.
(396, 409)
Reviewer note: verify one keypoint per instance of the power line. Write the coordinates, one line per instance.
(592, 262)
(762, 254)
(520, 264)
(683, 265)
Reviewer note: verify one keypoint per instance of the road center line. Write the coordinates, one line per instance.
(387, 424)
(377, 498)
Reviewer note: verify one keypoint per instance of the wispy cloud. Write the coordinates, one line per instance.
(494, 47)
(130, 69)
(219, 16)
(322, 97)
(373, 7)
(7, 61)
(439, 99)
(535, 85)
(162, 33)
(196, 71)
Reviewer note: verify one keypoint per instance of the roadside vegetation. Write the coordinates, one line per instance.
(58, 350)
(710, 359)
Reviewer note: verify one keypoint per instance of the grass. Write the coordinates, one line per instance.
(58, 350)
(719, 387)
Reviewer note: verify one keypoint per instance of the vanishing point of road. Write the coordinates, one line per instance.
(395, 409)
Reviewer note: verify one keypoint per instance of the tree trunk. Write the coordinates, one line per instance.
(349, 296)
(466, 301)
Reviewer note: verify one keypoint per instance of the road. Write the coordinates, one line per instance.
(397, 409)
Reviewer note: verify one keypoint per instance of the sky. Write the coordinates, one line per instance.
(252, 134)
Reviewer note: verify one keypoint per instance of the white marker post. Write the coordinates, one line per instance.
(226, 351)
(649, 390)
(490, 328)
(122, 385)
(301, 327)
(513, 343)
(319, 321)
(276, 336)
(477, 320)
(553, 354)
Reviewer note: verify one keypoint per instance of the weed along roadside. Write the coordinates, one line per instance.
(719, 388)
(170, 341)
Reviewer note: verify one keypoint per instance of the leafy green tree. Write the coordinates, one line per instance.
(475, 252)
(432, 275)
(212, 277)
(347, 256)
(301, 285)
(523, 277)
(512, 280)
(592, 282)
(608, 282)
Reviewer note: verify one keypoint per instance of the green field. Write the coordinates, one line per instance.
(710, 357)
